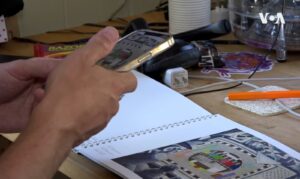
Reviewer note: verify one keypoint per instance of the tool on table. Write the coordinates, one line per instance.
(252, 95)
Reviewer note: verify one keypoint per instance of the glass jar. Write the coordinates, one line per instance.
(267, 23)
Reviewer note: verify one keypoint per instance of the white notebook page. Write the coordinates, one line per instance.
(150, 105)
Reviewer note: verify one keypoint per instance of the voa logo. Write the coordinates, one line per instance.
(267, 17)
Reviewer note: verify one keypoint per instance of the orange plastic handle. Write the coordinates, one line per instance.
(263, 95)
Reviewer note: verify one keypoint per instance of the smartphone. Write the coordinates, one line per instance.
(136, 48)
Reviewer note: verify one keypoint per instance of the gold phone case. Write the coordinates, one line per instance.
(147, 55)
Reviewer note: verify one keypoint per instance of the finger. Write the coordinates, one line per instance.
(128, 82)
(32, 68)
(98, 46)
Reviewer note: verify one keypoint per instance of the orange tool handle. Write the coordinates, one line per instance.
(263, 95)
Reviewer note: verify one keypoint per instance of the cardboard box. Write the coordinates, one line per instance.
(12, 26)
(8, 28)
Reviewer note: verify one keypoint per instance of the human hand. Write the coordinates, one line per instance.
(81, 97)
(79, 100)
(19, 81)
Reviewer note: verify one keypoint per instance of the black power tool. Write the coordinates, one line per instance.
(183, 54)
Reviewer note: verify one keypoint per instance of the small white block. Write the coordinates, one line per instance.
(176, 78)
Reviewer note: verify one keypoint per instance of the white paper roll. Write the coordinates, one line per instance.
(185, 15)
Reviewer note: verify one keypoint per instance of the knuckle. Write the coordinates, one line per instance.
(110, 107)
(81, 55)
(114, 101)
(133, 81)
(105, 42)
(79, 58)
(115, 109)
(129, 82)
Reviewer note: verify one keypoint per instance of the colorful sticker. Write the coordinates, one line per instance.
(241, 63)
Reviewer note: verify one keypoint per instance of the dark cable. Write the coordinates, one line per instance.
(162, 6)
(118, 10)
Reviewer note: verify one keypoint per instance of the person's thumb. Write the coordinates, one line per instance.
(99, 46)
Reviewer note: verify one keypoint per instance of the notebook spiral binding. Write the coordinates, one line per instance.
(93, 142)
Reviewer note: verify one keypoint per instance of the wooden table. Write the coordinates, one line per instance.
(284, 128)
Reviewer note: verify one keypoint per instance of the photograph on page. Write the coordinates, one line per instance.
(229, 154)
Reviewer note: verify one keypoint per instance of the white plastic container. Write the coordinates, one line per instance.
(185, 15)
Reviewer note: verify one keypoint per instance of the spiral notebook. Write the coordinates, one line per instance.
(172, 137)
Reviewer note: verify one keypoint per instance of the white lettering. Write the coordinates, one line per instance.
(267, 17)
(264, 18)
(280, 19)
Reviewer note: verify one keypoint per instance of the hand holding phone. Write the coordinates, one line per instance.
(135, 48)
